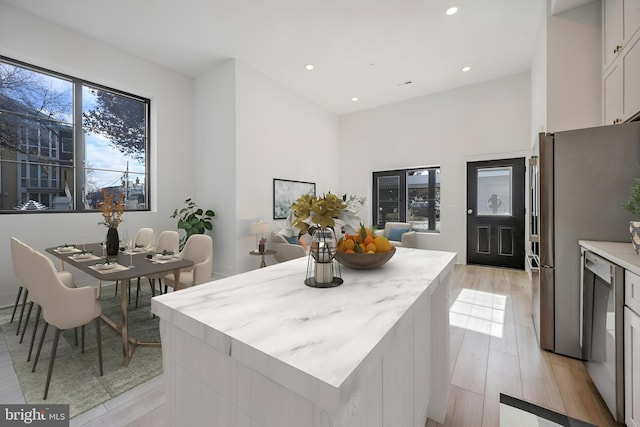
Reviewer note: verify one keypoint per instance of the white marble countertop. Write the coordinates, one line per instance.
(269, 320)
(620, 253)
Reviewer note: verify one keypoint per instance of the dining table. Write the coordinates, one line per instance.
(127, 265)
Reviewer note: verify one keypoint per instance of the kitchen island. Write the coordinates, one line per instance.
(263, 349)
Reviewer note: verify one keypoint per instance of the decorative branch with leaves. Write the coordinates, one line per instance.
(111, 210)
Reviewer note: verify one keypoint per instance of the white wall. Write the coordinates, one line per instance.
(30, 39)
(574, 68)
(215, 162)
(264, 131)
(479, 122)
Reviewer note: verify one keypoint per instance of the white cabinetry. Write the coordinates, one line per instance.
(612, 29)
(631, 368)
(621, 60)
(632, 350)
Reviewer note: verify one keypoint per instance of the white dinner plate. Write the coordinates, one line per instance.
(66, 249)
(105, 266)
(83, 256)
(164, 257)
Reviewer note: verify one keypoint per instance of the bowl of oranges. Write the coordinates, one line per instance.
(364, 250)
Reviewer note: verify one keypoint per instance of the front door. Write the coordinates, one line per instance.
(496, 213)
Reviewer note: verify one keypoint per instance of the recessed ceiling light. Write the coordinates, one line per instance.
(309, 67)
(465, 69)
(354, 99)
(452, 10)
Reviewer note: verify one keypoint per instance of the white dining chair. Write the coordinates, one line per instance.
(199, 250)
(144, 238)
(62, 308)
(23, 254)
(15, 260)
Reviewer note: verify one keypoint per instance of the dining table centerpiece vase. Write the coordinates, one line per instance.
(111, 211)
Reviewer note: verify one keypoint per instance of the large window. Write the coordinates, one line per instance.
(64, 140)
(408, 195)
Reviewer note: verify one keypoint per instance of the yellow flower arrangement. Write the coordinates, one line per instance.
(317, 210)
(111, 210)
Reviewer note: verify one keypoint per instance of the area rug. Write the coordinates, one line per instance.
(518, 413)
(76, 379)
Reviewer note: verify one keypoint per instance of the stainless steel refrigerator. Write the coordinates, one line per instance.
(585, 176)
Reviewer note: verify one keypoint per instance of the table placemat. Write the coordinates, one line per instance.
(116, 267)
(66, 251)
(155, 260)
(78, 258)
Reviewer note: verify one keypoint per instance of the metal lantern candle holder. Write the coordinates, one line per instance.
(323, 271)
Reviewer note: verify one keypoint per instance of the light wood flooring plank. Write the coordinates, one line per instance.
(503, 376)
(503, 336)
(579, 395)
(470, 371)
(464, 409)
(538, 383)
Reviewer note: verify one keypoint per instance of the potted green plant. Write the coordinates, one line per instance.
(633, 206)
(193, 220)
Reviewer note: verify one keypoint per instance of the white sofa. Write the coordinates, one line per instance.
(285, 251)
(400, 234)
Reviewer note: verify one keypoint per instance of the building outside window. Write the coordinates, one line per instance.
(64, 140)
(408, 195)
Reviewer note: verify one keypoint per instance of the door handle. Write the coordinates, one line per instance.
(470, 211)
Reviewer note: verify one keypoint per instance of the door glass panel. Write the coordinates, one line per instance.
(388, 199)
(494, 191)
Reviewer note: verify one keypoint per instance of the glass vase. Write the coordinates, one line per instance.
(322, 269)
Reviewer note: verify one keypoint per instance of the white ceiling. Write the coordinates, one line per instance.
(360, 48)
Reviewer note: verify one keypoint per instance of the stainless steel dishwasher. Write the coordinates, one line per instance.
(602, 328)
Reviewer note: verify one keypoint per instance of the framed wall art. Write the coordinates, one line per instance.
(285, 192)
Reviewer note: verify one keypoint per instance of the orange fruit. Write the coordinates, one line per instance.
(371, 247)
(349, 245)
(349, 251)
(382, 244)
(368, 240)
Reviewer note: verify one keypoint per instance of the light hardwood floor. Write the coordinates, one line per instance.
(493, 350)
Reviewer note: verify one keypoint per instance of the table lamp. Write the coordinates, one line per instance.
(259, 228)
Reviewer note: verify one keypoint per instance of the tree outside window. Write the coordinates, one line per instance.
(41, 161)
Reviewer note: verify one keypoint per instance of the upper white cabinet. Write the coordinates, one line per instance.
(612, 94)
(612, 29)
(621, 59)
